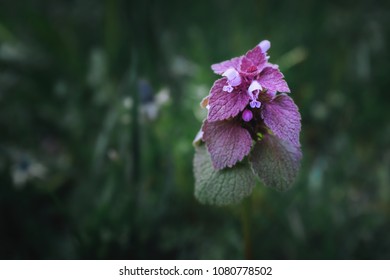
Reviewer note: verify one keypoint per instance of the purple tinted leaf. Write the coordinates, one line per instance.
(257, 56)
(253, 62)
(227, 142)
(247, 67)
(222, 187)
(225, 105)
(272, 79)
(281, 115)
(275, 162)
(220, 68)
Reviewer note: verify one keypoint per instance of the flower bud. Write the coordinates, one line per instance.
(247, 115)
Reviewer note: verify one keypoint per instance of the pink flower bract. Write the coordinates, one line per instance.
(250, 99)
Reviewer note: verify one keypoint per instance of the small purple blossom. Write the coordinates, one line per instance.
(265, 45)
(249, 100)
(233, 77)
(254, 89)
(228, 88)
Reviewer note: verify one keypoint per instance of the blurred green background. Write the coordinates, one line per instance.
(99, 104)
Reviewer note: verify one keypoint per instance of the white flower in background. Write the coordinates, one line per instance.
(151, 103)
(11, 52)
(26, 169)
(163, 96)
(128, 102)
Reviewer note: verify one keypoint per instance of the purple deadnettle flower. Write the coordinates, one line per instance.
(251, 130)
(249, 106)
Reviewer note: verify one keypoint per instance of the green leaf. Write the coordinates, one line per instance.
(223, 187)
(275, 162)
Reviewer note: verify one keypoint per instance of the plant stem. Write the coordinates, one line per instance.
(246, 227)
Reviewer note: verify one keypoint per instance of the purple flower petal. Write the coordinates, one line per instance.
(220, 68)
(224, 105)
(253, 62)
(228, 88)
(281, 115)
(255, 104)
(227, 142)
(272, 79)
(254, 89)
(233, 77)
(265, 45)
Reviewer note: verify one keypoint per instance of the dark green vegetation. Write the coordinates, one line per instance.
(85, 173)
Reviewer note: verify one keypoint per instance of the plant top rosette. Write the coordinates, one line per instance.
(251, 130)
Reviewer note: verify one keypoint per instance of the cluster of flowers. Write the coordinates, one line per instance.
(246, 104)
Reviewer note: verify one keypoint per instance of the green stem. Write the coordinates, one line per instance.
(246, 227)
